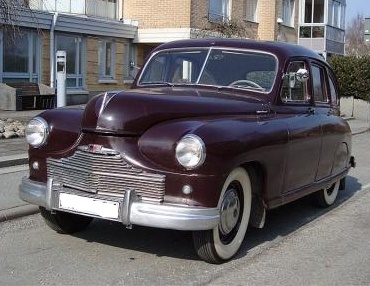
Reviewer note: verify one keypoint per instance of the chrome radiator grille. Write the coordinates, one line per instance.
(105, 174)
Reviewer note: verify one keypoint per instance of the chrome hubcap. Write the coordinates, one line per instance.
(230, 210)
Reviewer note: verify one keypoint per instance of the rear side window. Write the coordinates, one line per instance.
(333, 90)
(319, 84)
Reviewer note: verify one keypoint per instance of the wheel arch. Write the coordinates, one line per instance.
(255, 171)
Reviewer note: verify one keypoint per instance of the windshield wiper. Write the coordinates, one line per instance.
(158, 83)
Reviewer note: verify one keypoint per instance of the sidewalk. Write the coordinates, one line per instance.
(13, 158)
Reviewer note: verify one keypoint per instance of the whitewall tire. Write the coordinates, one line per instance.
(222, 243)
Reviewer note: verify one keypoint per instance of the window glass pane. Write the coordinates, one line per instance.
(330, 12)
(63, 6)
(78, 6)
(288, 12)
(318, 82)
(71, 82)
(251, 10)
(74, 48)
(215, 8)
(238, 69)
(218, 10)
(111, 9)
(164, 67)
(15, 55)
(108, 58)
(333, 91)
(102, 8)
(34, 54)
(49, 5)
(68, 44)
(318, 11)
(308, 11)
(294, 90)
(336, 14)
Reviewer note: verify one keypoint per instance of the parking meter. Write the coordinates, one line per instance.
(61, 62)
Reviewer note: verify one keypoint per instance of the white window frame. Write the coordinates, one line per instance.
(288, 12)
(106, 75)
(251, 7)
(223, 15)
(99, 8)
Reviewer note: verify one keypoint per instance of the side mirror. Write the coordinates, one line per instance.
(302, 75)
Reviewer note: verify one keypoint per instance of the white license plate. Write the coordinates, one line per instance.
(92, 206)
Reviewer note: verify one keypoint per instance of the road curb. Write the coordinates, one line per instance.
(13, 160)
(17, 212)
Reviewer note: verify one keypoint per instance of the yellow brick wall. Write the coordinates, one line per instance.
(92, 66)
(268, 13)
(45, 57)
(267, 16)
(159, 14)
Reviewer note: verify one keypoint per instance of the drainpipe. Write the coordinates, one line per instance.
(52, 56)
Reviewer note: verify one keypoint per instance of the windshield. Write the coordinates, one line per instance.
(220, 67)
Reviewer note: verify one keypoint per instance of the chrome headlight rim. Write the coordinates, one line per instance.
(200, 151)
(43, 131)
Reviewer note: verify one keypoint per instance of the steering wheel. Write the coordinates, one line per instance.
(245, 83)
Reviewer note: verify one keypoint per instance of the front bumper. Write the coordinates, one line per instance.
(131, 209)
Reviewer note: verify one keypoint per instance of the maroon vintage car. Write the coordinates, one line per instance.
(214, 133)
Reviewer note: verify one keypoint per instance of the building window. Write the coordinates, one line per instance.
(107, 59)
(67, 6)
(219, 10)
(288, 12)
(100, 8)
(75, 50)
(313, 11)
(20, 56)
(251, 10)
(337, 15)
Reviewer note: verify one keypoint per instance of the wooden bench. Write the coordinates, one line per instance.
(28, 96)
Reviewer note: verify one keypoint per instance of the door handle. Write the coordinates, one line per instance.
(311, 110)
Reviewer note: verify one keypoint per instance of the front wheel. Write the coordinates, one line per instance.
(221, 243)
(64, 222)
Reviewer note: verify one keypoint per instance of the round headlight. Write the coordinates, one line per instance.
(190, 151)
(37, 132)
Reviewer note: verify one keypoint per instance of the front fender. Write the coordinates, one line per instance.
(229, 142)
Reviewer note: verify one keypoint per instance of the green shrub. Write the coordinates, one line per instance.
(353, 74)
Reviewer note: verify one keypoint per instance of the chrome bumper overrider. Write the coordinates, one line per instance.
(132, 210)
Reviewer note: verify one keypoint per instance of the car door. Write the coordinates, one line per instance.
(327, 108)
(304, 130)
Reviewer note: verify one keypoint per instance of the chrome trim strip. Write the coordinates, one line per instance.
(177, 217)
(33, 192)
(49, 189)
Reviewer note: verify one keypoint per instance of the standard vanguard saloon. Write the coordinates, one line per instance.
(214, 133)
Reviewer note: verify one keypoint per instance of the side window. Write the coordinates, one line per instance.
(333, 90)
(294, 90)
(318, 84)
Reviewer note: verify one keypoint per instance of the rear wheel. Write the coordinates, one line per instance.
(63, 222)
(221, 243)
(326, 197)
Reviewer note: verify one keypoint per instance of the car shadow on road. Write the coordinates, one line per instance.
(280, 223)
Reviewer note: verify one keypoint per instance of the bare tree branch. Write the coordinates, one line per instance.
(10, 11)
(355, 38)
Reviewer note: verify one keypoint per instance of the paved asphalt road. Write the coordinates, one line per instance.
(300, 245)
